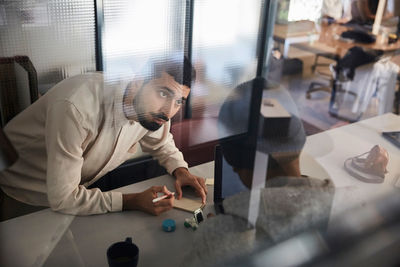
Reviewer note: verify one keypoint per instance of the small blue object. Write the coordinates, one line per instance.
(168, 225)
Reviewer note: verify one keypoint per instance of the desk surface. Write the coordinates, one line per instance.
(329, 41)
(294, 29)
(54, 239)
(337, 145)
(326, 41)
(59, 240)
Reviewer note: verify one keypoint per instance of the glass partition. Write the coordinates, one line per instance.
(135, 32)
(225, 39)
(57, 36)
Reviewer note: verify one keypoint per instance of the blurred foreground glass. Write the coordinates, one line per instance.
(58, 37)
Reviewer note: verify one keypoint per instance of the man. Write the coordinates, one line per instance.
(83, 128)
(364, 11)
(332, 9)
(338, 10)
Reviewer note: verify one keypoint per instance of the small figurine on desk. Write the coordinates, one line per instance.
(369, 169)
(194, 221)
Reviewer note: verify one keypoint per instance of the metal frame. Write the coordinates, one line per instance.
(262, 45)
(188, 46)
(99, 21)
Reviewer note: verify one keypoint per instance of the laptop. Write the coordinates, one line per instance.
(226, 182)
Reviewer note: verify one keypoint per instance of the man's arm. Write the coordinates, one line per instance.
(65, 132)
(144, 201)
(161, 146)
(184, 178)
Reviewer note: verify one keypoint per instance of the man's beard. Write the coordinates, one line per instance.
(146, 123)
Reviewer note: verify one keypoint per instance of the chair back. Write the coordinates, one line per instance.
(18, 86)
(8, 155)
(371, 92)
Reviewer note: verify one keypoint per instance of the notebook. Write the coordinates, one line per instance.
(188, 204)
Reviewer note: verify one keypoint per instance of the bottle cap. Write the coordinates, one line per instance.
(168, 225)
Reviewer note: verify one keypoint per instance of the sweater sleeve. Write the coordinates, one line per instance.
(65, 133)
(160, 144)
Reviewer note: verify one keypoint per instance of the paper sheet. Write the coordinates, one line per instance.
(188, 204)
(209, 181)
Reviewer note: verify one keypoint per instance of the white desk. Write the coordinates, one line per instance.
(94, 234)
(55, 239)
(331, 148)
(62, 240)
(294, 33)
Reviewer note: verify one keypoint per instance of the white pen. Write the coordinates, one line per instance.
(163, 197)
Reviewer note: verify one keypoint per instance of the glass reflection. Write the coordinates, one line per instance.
(261, 174)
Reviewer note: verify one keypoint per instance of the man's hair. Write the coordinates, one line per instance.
(179, 68)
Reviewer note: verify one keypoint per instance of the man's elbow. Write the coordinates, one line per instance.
(64, 205)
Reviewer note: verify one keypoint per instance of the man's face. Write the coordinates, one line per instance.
(159, 100)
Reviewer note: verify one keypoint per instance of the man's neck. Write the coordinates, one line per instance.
(127, 104)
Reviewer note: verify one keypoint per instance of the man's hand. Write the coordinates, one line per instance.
(144, 201)
(184, 177)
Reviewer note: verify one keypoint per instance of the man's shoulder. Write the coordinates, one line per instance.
(79, 85)
(85, 92)
(81, 90)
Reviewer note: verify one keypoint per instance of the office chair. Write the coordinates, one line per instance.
(317, 85)
(8, 155)
(18, 86)
(397, 97)
(325, 55)
(374, 81)
(320, 86)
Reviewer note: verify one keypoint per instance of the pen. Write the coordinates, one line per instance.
(163, 197)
